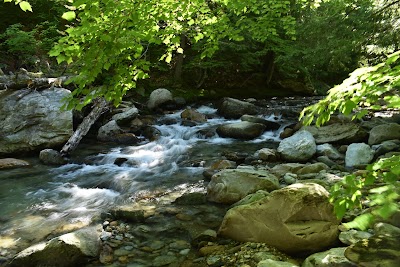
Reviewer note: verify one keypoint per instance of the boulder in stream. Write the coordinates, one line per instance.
(294, 219)
(231, 108)
(241, 130)
(72, 249)
(159, 97)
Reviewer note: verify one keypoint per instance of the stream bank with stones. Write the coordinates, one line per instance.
(165, 212)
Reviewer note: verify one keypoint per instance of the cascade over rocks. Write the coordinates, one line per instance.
(241, 130)
(72, 249)
(233, 108)
(340, 133)
(231, 185)
(299, 147)
(294, 219)
(32, 120)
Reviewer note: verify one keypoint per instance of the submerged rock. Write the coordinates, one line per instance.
(295, 219)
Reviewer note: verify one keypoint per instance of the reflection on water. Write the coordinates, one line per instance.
(37, 201)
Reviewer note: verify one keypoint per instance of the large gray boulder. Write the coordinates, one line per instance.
(233, 108)
(241, 130)
(32, 120)
(299, 147)
(340, 133)
(384, 132)
(358, 154)
(231, 185)
(159, 97)
(72, 249)
(294, 219)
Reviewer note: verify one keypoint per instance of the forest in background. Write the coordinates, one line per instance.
(312, 45)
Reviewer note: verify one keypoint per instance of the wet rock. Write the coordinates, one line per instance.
(193, 115)
(295, 219)
(126, 139)
(238, 157)
(330, 258)
(128, 114)
(217, 166)
(229, 186)
(195, 198)
(358, 154)
(384, 132)
(233, 108)
(120, 161)
(287, 132)
(128, 214)
(382, 249)
(151, 133)
(340, 133)
(73, 249)
(108, 131)
(136, 125)
(206, 133)
(11, 163)
(159, 98)
(241, 130)
(269, 125)
(52, 157)
(299, 147)
(32, 120)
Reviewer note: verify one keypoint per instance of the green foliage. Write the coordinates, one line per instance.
(365, 89)
(19, 45)
(24, 5)
(378, 189)
(362, 91)
(113, 41)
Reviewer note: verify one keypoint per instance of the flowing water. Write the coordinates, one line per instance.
(41, 200)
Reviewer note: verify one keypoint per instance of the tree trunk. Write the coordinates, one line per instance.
(179, 62)
(100, 106)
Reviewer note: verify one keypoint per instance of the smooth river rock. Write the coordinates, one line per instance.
(300, 147)
(231, 185)
(294, 219)
(233, 108)
(340, 133)
(241, 130)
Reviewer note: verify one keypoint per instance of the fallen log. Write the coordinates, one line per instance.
(100, 106)
(15, 82)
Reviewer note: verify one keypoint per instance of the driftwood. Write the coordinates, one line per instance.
(100, 106)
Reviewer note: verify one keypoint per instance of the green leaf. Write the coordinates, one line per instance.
(70, 15)
(361, 222)
(179, 50)
(25, 6)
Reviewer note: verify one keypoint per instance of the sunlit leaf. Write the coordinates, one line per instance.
(69, 15)
(25, 6)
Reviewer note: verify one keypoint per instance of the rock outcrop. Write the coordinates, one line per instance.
(295, 219)
(33, 120)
